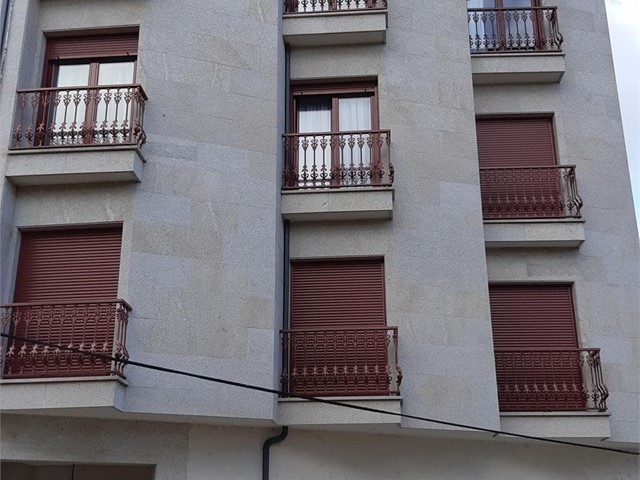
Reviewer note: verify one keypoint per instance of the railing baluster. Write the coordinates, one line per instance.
(92, 326)
(67, 117)
(494, 30)
(359, 361)
(337, 159)
(530, 192)
(550, 379)
(329, 6)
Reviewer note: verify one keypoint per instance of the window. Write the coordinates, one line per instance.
(66, 294)
(338, 343)
(519, 174)
(505, 25)
(539, 366)
(79, 112)
(336, 140)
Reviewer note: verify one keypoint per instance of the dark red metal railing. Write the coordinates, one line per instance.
(529, 29)
(329, 6)
(349, 362)
(530, 192)
(92, 326)
(338, 159)
(550, 380)
(79, 116)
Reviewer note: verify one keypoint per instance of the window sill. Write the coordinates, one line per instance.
(295, 411)
(335, 28)
(499, 68)
(73, 165)
(594, 425)
(527, 233)
(363, 203)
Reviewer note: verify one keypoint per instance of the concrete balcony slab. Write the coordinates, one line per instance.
(533, 233)
(55, 396)
(297, 412)
(558, 424)
(337, 204)
(500, 68)
(335, 28)
(59, 166)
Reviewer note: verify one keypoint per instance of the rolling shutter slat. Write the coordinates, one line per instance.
(68, 265)
(98, 46)
(513, 142)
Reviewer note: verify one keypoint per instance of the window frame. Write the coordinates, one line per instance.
(335, 91)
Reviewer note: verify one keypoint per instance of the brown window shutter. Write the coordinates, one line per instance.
(337, 295)
(98, 46)
(515, 142)
(532, 316)
(332, 306)
(535, 339)
(70, 265)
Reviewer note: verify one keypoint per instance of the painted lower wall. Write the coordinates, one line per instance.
(180, 451)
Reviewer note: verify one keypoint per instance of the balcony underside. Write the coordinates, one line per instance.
(338, 28)
(501, 68)
(527, 233)
(73, 165)
(366, 203)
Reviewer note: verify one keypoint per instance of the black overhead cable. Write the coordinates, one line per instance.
(310, 398)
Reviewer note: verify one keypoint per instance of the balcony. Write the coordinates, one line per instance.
(65, 135)
(541, 380)
(338, 176)
(553, 393)
(91, 326)
(515, 45)
(310, 23)
(531, 206)
(341, 362)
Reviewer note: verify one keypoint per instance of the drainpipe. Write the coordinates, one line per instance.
(265, 450)
(7, 6)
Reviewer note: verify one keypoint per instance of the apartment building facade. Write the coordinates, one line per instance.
(421, 207)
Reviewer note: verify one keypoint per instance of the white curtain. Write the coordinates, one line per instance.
(309, 6)
(355, 114)
(314, 116)
(64, 116)
(120, 73)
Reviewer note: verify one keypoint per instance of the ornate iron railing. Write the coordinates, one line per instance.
(530, 192)
(79, 116)
(91, 326)
(338, 159)
(344, 362)
(329, 6)
(529, 29)
(550, 380)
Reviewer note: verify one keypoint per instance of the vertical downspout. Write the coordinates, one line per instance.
(4, 37)
(265, 451)
(287, 230)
